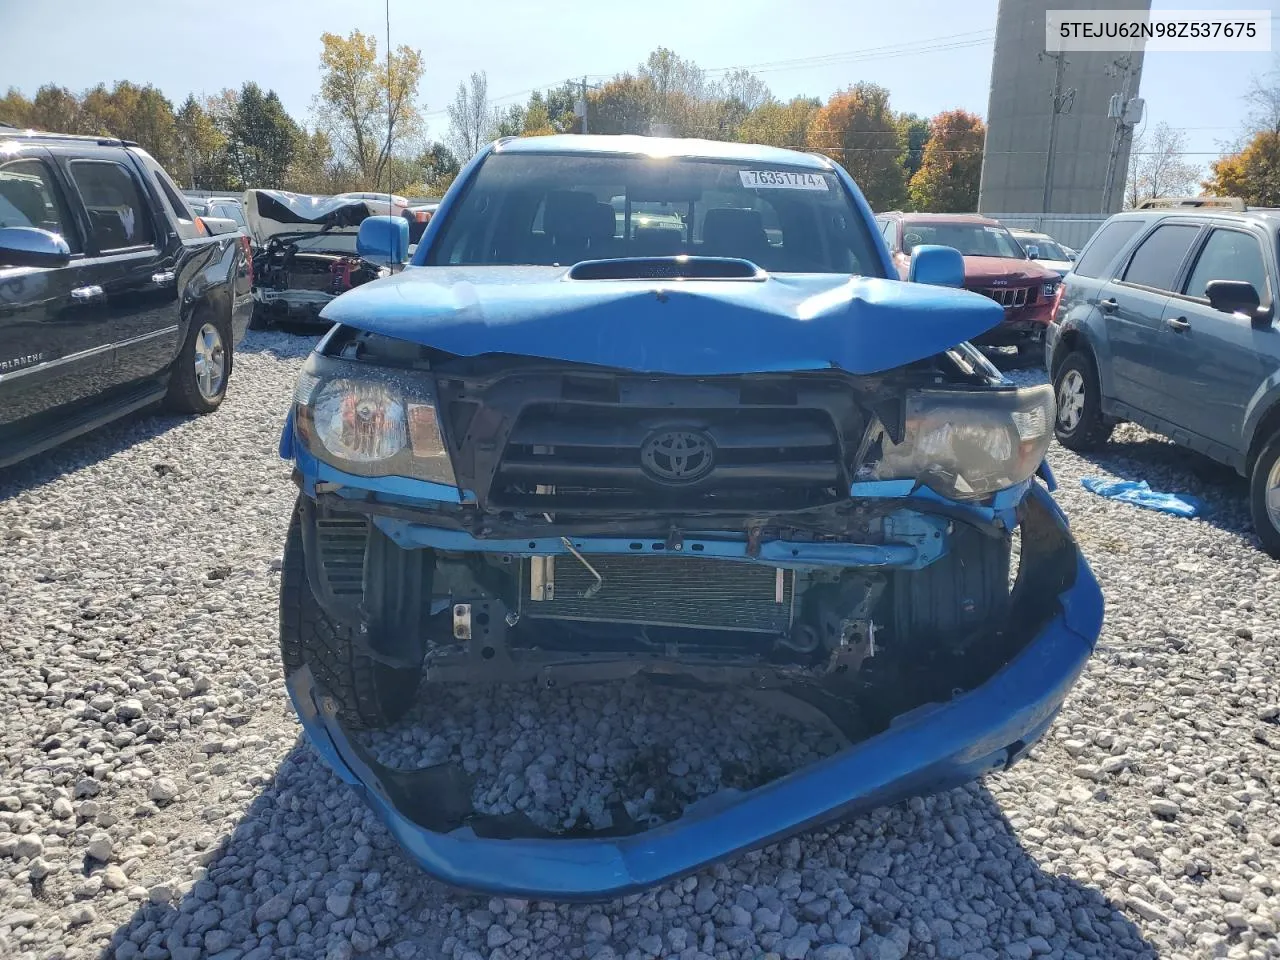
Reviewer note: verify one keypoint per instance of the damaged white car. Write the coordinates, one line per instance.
(305, 253)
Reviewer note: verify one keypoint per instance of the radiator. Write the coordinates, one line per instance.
(668, 591)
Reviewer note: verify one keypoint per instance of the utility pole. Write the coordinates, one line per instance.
(1061, 103)
(584, 104)
(1120, 110)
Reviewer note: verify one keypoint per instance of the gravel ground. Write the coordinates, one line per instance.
(155, 800)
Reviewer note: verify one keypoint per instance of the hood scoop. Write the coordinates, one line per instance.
(667, 268)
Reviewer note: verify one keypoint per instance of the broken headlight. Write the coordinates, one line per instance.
(966, 444)
(371, 421)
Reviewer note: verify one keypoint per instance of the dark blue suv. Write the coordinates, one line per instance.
(1169, 320)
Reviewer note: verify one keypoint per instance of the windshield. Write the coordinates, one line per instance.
(1048, 249)
(971, 239)
(565, 208)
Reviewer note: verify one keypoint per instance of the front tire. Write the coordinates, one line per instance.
(369, 693)
(1264, 496)
(1080, 424)
(198, 379)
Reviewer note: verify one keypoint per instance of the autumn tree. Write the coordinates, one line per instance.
(470, 118)
(15, 109)
(537, 119)
(55, 108)
(1156, 167)
(1253, 174)
(857, 128)
(508, 121)
(623, 105)
(366, 104)
(780, 124)
(947, 181)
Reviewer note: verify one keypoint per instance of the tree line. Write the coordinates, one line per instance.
(367, 130)
(1251, 168)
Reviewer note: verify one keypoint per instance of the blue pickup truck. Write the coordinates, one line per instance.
(736, 450)
(113, 294)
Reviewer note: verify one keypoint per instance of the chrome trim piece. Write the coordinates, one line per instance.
(87, 354)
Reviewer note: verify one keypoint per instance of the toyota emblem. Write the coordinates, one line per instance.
(677, 456)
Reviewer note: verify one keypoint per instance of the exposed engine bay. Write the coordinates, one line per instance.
(305, 252)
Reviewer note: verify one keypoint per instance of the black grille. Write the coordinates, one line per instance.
(670, 591)
(342, 544)
(1010, 296)
(604, 454)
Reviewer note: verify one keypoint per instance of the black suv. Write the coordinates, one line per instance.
(113, 294)
(1168, 319)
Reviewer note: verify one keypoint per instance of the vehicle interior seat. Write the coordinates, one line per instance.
(578, 227)
(734, 232)
(657, 242)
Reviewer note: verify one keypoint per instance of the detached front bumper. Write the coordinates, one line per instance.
(934, 747)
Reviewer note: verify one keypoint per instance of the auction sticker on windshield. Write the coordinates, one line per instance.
(782, 180)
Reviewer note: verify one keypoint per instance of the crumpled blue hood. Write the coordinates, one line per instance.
(786, 322)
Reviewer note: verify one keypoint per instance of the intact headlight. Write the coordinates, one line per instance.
(968, 444)
(371, 421)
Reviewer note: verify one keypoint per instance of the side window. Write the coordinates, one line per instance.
(117, 215)
(1106, 243)
(890, 230)
(1229, 255)
(1156, 261)
(29, 197)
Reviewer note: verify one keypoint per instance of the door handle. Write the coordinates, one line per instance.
(1109, 305)
(1178, 323)
(84, 294)
(160, 279)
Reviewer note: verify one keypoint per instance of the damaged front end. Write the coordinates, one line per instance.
(846, 543)
(305, 253)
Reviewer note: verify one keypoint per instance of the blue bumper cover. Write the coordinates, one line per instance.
(933, 748)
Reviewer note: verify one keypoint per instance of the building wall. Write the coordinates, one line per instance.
(1019, 113)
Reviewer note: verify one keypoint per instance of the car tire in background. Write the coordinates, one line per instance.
(369, 693)
(1080, 423)
(198, 379)
(1264, 496)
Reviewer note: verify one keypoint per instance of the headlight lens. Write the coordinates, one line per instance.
(371, 421)
(968, 444)
(360, 421)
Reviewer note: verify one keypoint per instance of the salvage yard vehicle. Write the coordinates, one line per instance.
(305, 252)
(765, 462)
(113, 294)
(995, 265)
(1168, 319)
(1045, 250)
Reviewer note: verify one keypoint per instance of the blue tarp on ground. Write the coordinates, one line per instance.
(1140, 494)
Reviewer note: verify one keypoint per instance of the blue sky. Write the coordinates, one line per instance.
(188, 46)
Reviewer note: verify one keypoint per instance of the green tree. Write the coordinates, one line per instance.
(625, 104)
(313, 168)
(947, 181)
(1253, 174)
(200, 147)
(366, 105)
(857, 129)
(537, 121)
(915, 129)
(780, 124)
(262, 139)
(508, 121)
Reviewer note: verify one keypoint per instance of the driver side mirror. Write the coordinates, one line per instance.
(32, 247)
(384, 240)
(1237, 296)
(935, 264)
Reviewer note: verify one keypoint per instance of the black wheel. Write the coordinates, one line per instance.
(1264, 496)
(1080, 424)
(259, 319)
(198, 379)
(369, 694)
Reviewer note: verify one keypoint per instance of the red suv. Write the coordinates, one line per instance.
(995, 265)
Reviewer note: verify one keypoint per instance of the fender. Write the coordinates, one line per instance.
(1084, 322)
(1262, 415)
